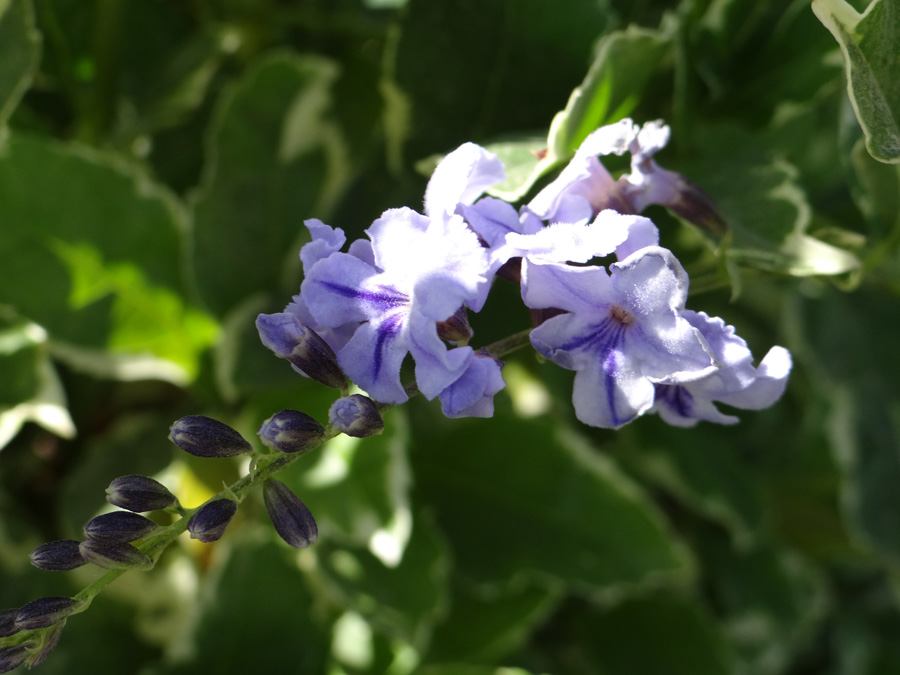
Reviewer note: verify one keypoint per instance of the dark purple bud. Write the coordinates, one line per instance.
(139, 493)
(51, 639)
(45, 612)
(57, 555)
(456, 328)
(209, 522)
(8, 622)
(205, 437)
(115, 556)
(118, 527)
(285, 335)
(356, 415)
(290, 431)
(695, 206)
(292, 520)
(12, 657)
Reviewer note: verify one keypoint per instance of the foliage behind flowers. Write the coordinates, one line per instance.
(158, 163)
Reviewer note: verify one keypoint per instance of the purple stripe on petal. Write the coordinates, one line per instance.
(386, 299)
(387, 331)
(679, 399)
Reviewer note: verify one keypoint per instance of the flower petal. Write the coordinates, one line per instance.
(460, 178)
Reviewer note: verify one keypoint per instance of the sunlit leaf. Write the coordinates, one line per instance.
(624, 62)
(868, 43)
(91, 252)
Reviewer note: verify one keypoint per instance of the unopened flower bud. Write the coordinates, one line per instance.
(12, 657)
(356, 415)
(209, 522)
(115, 556)
(456, 328)
(8, 622)
(45, 612)
(205, 437)
(290, 431)
(695, 206)
(292, 520)
(57, 555)
(118, 527)
(139, 493)
(285, 335)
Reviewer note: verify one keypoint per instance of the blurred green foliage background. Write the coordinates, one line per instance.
(157, 161)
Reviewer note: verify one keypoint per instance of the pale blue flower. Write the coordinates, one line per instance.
(623, 333)
(736, 382)
(425, 270)
(472, 394)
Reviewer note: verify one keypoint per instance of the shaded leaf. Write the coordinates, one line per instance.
(706, 475)
(869, 42)
(256, 597)
(20, 49)
(771, 601)
(273, 160)
(19, 357)
(46, 406)
(486, 627)
(863, 424)
(501, 65)
(654, 634)
(767, 211)
(520, 497)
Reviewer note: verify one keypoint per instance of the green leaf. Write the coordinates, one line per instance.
(90, 250)
(402, 601)
(486, 627)
(477, 68)
(32, 391)
(766, 209)
(274, 159)
(624, 63)
(878, 193)
(771, 601)
(20, 50)
(654, 634)
(523, 497)
(705, 474)
(520, 156)
(19, 357)
(256, 615)
(855, 358)
(869, 42)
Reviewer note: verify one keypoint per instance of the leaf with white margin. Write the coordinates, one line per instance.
(869, 43)
(47, 407)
